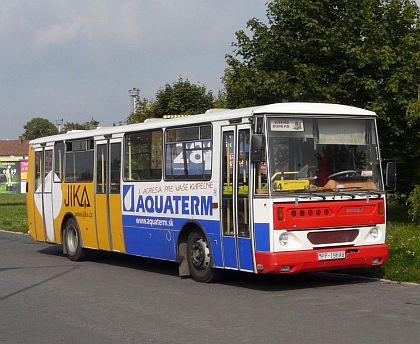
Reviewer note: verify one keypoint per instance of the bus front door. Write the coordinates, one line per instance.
(236, 205)
(43, 198)
(108, 210)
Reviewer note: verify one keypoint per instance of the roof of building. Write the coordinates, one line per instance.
(283, 109)
(14, 147)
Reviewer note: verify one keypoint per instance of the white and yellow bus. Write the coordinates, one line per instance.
(281, 188)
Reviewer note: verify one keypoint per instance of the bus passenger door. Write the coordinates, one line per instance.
(44, 221)
(108, 198)
(48, 179)
(236, 205)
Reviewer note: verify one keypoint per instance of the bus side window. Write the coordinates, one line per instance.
(188, 153)
(79, 161)
(38, 171)
(143, 156)
(58, 161)
(115, 167)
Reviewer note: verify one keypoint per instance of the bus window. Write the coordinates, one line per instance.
(243, 181)
(227, 179)
(79, 161)
(48, 160)
(115, 167)
(38, 171)
(58, 161)
(101, 166)
(188, 153)
(143, 156)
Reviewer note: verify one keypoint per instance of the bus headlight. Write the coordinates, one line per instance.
(284, 238)
(374, 233)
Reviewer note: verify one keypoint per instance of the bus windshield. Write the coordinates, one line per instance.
(322, 155)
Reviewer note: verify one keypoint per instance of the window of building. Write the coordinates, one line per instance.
(143, 156)
(188, 153)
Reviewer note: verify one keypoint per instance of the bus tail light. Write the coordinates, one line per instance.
(380, 208)
(280, 214)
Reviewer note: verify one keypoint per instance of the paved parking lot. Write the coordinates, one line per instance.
(45, 298)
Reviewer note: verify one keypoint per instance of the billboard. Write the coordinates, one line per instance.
(10, 177)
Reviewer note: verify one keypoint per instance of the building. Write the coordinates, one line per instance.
(13, 165)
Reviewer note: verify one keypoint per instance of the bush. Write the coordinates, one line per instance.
(413, 202)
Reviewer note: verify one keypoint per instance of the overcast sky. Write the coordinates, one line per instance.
(78, 59)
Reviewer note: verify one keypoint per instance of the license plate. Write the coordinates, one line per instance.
(331, 255)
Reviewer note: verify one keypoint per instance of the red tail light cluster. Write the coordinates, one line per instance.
(311, 212)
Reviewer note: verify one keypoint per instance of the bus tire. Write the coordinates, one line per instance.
(72, 241)
(200, 259)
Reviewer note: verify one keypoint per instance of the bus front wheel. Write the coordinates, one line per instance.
(72, 241)
(200, 260)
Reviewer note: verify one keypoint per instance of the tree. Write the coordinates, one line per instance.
(39, 127)
(92, 124)
(145, 109)
(363, 53)
(180, 98)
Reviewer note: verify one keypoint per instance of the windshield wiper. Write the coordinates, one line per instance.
(312, 194)
(369, 193)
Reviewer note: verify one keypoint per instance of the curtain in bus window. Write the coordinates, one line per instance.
(343, 131)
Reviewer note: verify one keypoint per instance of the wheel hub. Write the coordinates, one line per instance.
(72, 239)
(200, 254)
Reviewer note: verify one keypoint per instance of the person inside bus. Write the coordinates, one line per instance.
(324, 167)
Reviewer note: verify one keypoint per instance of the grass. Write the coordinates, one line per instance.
(403, 239)
(13, 212)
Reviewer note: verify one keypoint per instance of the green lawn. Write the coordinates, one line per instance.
(13, 212)
(403, 239)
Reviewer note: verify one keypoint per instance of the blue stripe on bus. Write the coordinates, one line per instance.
(156, 237)
(229, 250)
(262, 237)
(245, 254)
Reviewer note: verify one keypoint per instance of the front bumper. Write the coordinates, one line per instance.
(304, 261)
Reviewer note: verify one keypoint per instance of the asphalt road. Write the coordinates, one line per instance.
(45, 298)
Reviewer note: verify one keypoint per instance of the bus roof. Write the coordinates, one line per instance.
(278, 108)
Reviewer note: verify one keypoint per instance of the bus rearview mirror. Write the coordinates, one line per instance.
(390, 176)
(257, 148)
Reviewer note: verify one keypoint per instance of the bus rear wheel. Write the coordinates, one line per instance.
(200, 259)
(72, 241)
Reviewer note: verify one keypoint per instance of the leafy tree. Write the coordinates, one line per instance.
(39, 127)
(363, 53)
(92, 124)
(145, 109)
(180, 98)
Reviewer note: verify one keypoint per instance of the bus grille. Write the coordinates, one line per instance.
(332, 237)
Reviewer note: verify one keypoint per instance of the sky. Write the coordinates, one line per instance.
(77, 59)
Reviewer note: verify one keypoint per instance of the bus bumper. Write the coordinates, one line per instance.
(304, 261)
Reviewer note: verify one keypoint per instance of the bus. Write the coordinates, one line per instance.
(282, 188)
